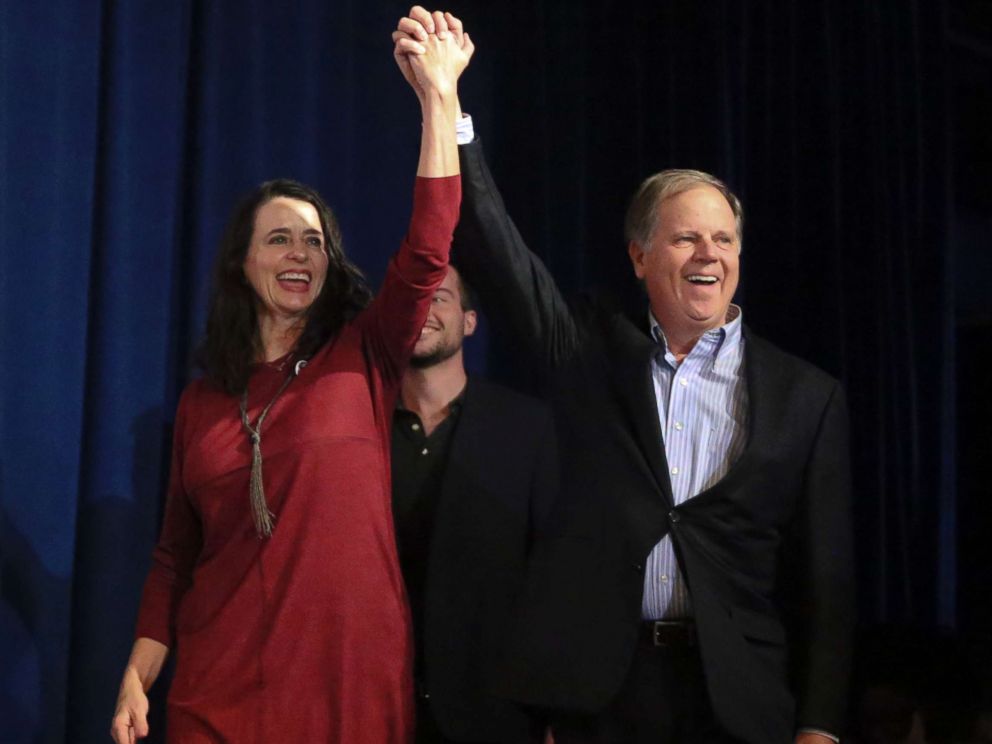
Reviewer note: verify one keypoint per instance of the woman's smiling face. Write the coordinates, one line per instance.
(286, 263)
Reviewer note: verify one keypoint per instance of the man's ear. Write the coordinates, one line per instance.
(470, 321)
(636, 253)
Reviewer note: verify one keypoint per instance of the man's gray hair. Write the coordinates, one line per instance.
(642, 214)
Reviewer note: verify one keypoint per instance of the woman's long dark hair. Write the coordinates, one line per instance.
(232, 342)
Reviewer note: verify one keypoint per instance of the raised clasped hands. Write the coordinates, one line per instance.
(432, 50)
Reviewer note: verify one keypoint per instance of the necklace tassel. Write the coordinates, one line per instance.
(264, 518)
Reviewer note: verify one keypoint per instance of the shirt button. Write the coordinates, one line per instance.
(415, 427)
(664, 578)
(678, 426)
(675, 470)
(683, 382)
(423, 451)
(674, 516)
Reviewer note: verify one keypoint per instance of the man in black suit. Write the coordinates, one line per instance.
(473, 478)
(697, 586)
(695, 581)
(750, 638)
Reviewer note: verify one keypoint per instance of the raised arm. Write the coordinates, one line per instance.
(431, 62)
(513, 282)
(395, 318)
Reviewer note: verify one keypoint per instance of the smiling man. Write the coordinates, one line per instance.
(473, 479)
(684, 243)
(696, 585)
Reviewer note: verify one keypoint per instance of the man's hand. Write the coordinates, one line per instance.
(131, 715)
(437, 70)
(431, 50)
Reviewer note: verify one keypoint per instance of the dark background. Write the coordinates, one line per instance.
(857, 135)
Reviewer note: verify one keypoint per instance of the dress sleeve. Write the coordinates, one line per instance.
(394, 319)
(177, 550)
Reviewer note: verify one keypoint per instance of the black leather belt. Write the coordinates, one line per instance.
(669, 633)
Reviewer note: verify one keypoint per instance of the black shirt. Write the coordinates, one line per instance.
(418, 470)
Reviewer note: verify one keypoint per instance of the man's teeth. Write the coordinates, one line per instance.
(701, 279)
(294, 276)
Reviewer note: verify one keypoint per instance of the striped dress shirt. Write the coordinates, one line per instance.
(703, 410)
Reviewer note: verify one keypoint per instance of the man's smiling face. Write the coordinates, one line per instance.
(447, 324)
(690, 266)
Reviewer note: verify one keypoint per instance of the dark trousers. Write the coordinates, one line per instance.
(662, 701)
(428, 731)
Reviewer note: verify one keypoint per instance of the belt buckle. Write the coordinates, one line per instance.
(656, 634)
(676, 632)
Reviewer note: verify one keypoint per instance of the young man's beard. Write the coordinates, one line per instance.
(442, 352)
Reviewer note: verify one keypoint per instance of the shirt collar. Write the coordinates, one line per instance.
(454, 407)
(716, 343)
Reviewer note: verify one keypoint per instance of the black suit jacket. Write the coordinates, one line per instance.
(766, 552)
(498, 486)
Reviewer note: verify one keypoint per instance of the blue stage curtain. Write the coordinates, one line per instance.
(129, 129)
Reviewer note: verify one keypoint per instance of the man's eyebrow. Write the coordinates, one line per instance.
(445, 290)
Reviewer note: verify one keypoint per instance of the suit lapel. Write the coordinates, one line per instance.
(631, 373)
(769, 386)
(759, 379)
(633, 350)
(767, 383)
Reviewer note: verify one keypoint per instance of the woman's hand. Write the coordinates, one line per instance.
(131, 715)
(431, 50)
(130, 721)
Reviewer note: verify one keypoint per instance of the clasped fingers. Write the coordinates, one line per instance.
(442, 62)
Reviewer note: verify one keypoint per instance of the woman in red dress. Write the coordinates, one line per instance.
(275, 578)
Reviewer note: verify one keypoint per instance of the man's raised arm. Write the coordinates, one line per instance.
(514, 284)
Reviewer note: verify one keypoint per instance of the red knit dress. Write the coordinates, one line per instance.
(304, 636)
